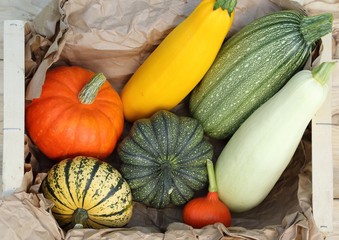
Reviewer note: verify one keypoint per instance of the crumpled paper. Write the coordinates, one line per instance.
(26, 216)
(115, 37)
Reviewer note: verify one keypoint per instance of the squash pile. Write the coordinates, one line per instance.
(252, 66)
(248, 90)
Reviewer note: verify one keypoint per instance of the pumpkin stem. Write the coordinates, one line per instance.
(323, 72)
(211, 177)
(227, 5)
(79, 216)
(89, 92)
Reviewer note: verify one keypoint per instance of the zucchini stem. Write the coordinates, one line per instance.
(89, 92)
(322, 72)
(227, 5)
(314, 27)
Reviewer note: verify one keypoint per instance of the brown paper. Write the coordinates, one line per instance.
(26, 216)
(115, 37)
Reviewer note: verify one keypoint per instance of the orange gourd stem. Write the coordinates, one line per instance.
(203, 211)
(89, 92)
(211, 177)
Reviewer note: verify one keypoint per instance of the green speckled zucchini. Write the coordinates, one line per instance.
(252, 66)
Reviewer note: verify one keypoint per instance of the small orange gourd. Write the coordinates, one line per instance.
(181, 60)
(78, 113)
(203, 211)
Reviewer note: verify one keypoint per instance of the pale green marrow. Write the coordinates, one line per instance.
(257, 154)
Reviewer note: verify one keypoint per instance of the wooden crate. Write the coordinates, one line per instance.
(13, 128)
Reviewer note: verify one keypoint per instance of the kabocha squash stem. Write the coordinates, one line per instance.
(89, 92)
(176, 66)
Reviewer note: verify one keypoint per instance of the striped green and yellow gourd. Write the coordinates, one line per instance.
(88, 193)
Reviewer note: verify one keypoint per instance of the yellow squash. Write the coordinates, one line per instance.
(177, 65)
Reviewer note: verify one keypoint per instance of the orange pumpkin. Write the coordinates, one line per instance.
(78, 113)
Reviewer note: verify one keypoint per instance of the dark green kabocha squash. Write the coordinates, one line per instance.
(164, 159)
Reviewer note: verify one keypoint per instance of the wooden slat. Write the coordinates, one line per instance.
(1, 71)
(1, 133)
(335, 234)
(335, 137)
(322, 165)
(335, 131)
(13, 125)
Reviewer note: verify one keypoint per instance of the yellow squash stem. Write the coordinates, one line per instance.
(177, 65)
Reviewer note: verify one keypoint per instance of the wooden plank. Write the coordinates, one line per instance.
(335, 234)
(335, 132)
(1, 81)
(322, 165)
(13, 125)
(1, 136)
